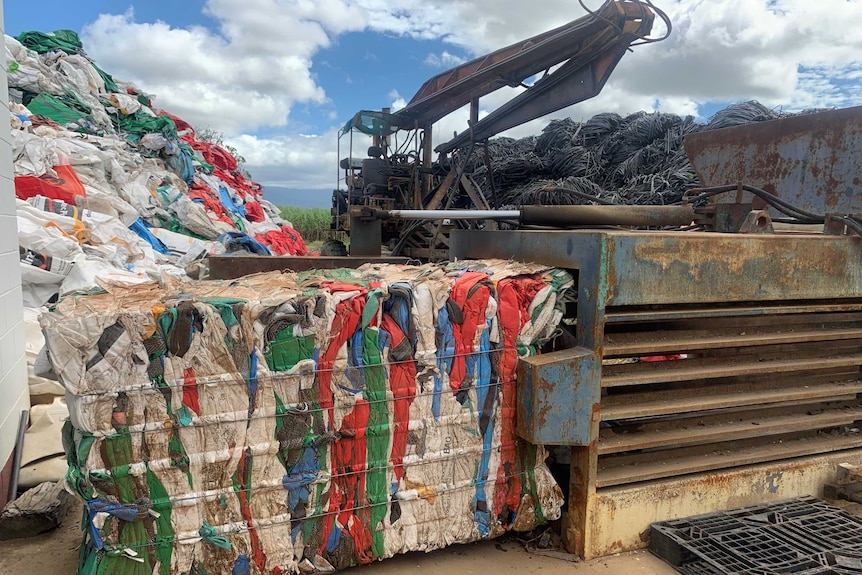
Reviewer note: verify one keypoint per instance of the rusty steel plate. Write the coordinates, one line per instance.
(232, 267)
(812, 161)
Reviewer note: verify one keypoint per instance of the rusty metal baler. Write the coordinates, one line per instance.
(707, 369)
(708, 366)
(714, 351)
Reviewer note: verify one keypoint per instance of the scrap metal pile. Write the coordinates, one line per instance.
(286, 423)
(637, 159)
(110, 187)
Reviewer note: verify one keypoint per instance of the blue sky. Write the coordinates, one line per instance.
(278, 77)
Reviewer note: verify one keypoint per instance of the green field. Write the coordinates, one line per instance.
(312, 223)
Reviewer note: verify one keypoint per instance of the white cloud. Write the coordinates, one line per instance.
(416, 18)
(443, 60)
(828, 87)
(245, 76)
(398, 101)
(299, 161)
(719, 50)
(790, 53)
(291, 161)
(256, 65)
(741, 49)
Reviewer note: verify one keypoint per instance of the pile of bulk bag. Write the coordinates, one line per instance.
(90, 142)
(111, 189)
(299, 423)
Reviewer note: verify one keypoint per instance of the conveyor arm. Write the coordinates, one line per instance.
(590, 47)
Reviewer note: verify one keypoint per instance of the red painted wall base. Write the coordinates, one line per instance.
(5, 480)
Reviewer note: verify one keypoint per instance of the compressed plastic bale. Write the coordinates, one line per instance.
(303, 422)
(34, 342)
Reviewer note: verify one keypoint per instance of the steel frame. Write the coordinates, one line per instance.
(692, 279)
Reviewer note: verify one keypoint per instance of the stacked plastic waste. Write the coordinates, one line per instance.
(287, 423)
(111, 188)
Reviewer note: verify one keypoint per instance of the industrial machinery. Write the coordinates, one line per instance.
(574, 60)
(712, 358)
(706, 370)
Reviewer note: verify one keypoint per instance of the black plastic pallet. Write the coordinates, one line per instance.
(704, 568)
(719, 556)
(803, 536)
(767, 551)
(699, 568)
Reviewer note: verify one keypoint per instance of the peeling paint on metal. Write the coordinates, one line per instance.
(621, 514)
(808, 160)
(773, 482)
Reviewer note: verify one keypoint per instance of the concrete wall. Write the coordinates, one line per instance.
(14, 395)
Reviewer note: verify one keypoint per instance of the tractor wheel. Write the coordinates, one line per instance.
(333, 248)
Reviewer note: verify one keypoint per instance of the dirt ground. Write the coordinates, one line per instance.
(56, 553)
